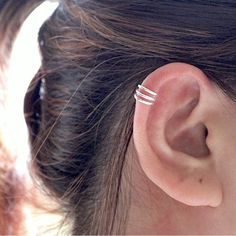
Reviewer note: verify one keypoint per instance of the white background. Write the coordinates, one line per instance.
(24, 63)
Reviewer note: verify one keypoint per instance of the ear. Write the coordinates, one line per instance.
(172, 136)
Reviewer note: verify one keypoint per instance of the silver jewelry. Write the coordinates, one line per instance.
(145, 95)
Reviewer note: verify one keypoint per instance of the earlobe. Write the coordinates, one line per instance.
(170, 136)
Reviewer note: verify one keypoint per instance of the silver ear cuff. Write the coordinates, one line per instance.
(145, 95)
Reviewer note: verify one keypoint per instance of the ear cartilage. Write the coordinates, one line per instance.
(145, 95)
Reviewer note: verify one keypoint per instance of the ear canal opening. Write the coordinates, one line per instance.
(191, 141)
(206, 132)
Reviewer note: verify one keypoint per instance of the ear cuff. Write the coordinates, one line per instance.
(145, 95)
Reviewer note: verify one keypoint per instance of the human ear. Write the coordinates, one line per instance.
(172, 134)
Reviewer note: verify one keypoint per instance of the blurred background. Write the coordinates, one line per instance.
(24, 63)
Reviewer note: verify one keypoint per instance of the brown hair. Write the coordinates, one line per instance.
(80, 106)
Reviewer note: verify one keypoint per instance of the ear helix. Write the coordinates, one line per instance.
(145, 95)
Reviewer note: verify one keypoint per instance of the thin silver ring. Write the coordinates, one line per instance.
(147, 90)
(145, 95)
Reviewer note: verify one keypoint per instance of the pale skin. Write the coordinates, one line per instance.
(182, 157)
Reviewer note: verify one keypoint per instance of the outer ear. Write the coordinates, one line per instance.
(171, 136)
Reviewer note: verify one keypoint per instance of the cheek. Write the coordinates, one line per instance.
(226, 168)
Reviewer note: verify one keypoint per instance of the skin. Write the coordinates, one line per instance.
(180, 186)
